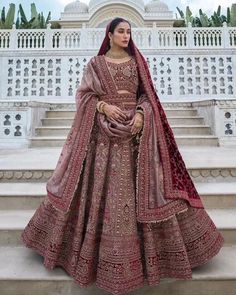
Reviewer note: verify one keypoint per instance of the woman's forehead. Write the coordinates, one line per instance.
(123, 25)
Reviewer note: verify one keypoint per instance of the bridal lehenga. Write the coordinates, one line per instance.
(113, 215)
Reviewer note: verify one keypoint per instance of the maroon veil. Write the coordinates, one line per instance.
(177, 182)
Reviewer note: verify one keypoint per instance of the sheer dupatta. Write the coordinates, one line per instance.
(62, 184)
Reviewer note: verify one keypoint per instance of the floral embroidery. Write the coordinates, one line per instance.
(100, 239)
(125, 75)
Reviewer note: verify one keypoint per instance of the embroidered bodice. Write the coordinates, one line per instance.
(125, 75)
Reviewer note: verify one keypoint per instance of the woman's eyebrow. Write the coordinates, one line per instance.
(124, 29)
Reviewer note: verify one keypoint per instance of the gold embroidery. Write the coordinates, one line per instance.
(125, 75)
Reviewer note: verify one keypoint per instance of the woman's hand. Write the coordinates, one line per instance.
(114, 112)
(137, 123)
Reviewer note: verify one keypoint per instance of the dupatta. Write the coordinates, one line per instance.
(163, 184)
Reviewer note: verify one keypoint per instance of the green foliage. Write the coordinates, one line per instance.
(215, 20)
(233, 15)
(6, 22)
(36, 21)
(204, 20)
(55, 25)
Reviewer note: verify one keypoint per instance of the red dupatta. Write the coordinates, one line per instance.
(158, 151)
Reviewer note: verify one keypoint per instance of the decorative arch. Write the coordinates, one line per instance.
(137, 5)
(101, 16)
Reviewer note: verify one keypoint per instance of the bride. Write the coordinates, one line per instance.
(121, 210)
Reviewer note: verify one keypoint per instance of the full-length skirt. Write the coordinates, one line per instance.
(100, 241)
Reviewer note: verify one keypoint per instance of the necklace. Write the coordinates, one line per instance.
(120, 56)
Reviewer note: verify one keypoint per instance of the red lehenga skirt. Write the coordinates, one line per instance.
(100, 241)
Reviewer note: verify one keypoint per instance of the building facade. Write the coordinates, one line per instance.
(98, 12)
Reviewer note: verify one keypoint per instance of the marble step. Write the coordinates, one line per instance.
(197, 140)
(188, 120)
(191, 129)
(217, 195)
(180, 112)
(28, 195)
(21, 196)
(205, 164)
(12, 222)
(22, 273)
(198, 174)
(57, 121)
(27, 173)
(168, 112)
(177, 129)
(182, 140)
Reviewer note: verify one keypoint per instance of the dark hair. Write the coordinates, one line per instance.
(114, 23)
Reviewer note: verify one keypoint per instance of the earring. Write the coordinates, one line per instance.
(111, 43)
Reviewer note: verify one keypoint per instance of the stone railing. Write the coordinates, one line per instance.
(145, 38)
(186, 64)
(220, 115)
(18, 120)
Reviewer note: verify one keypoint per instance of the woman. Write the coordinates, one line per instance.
(121, 209)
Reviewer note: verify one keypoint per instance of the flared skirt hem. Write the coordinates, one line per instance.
(145, 282)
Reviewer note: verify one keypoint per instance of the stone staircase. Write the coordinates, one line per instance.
(188, 127)
(23, 176)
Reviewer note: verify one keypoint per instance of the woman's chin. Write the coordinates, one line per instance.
(124, 45)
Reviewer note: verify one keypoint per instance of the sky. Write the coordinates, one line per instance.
(57, 6)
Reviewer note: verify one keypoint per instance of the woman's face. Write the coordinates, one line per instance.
(121, 35)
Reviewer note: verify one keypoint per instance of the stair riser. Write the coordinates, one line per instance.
(198, 175)
(71, 114)
(57, 122)
(52, 132)
(60, 114)
(38, 287)
(181, 112)
(197, 141)
(185, 121)
(172, 121)
(192, 130)
(63, 131)
(218, 202)
(216, 286)
(37, 142)
(20, 202)
(11, 238)
(32, 202)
